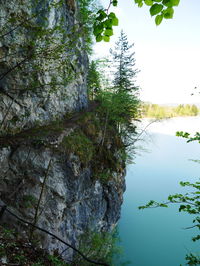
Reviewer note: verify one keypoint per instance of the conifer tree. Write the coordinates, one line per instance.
(124, 63)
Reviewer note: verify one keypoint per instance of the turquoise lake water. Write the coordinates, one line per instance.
(156, 237)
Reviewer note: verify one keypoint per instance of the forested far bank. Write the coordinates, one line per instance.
(164, 111)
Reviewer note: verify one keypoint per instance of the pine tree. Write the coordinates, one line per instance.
(124, 63)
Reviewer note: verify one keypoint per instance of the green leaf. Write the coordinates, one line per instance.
(139, 3)
(163, 205)
(148, 2)
(98, 29)
(115, 21)
(102, 14)
(99, 38)
(158, 19)
(112, 15)
(108, 32)
(168, 13)
(106, 38)
(182, 207)
(155, 9)
(175, 2)
(115, 2)
(108, 23)
(167, 3)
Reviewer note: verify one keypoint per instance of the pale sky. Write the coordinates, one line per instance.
(168, 55)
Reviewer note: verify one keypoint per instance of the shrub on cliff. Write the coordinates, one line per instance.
(119, 102)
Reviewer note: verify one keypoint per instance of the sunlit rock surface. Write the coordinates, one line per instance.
(43, 63)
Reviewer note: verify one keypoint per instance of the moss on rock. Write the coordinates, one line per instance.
(79, 144)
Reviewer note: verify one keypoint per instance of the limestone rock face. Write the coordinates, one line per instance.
(71, 198)
(43, 62)
(64, 177)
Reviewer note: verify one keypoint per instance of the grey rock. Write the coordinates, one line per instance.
(70, 199)
(50, 84)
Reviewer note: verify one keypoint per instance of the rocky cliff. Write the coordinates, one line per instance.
(43, 62)
(62, 178)
(60, 168)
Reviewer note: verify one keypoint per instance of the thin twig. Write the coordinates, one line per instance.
(14, 67)
(190, 227)
(10, 96)
(40, 197)
(105, 128)
(7, 112)
(54, 236)
(2, 211)
(109, 6)
(144, 129)
(21, 183)
(19, 25)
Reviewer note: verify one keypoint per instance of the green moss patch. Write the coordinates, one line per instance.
(79, 144)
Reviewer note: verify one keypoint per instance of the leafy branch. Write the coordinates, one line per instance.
(104, 22)
(187, 136)
(159, 8)
(189, 203)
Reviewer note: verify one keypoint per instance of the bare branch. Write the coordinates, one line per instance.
(40, 197)
(14, 67)
(4, 209)
(19, 25)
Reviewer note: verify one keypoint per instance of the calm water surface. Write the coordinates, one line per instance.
(156, 237)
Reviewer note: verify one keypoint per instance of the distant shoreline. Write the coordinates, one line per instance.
(160, 118)
(149, 110)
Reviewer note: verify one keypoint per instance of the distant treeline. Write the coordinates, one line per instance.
(158, 111)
